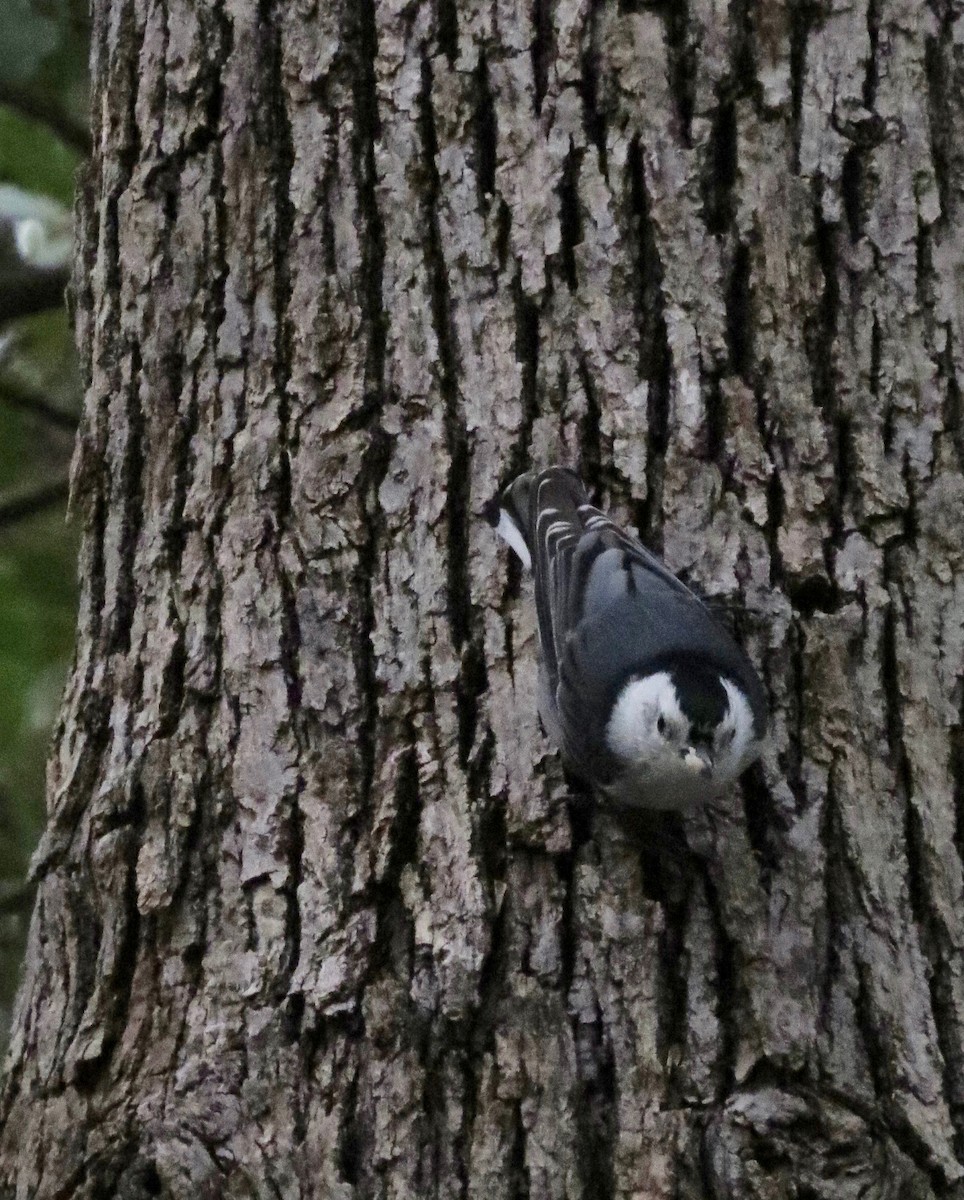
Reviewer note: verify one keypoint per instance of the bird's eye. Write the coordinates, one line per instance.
(661, 724)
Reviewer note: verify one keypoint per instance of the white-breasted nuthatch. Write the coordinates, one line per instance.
(648, 697)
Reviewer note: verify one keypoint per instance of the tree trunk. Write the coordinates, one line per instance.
(318, 914)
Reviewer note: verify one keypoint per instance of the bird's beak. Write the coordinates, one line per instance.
(699, 761)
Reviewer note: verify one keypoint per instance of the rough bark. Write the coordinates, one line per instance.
(315, 918)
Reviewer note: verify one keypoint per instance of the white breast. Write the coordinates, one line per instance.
(674, 789)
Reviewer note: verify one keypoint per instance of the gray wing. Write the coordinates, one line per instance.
(593, 576)
(626, 615)
(608, 610)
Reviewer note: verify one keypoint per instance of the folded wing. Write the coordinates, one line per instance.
(608, 610)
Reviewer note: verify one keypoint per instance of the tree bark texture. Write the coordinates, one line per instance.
(315, 918)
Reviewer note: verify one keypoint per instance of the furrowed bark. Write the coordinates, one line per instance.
(318, 914)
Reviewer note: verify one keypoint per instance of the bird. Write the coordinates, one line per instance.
(646, 694)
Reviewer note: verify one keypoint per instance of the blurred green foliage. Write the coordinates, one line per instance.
(50, 171)
(43, 51)
(43, 135)
(29, 35)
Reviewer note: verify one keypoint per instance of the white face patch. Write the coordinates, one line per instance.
(651, 736)
(647, 724)
(735, 739)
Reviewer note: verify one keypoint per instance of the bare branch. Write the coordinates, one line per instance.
(15, 395)
(22, 507)
(25, 290)
(18, 899)
(45, 110)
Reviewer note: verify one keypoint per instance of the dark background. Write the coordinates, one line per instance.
(43, 141)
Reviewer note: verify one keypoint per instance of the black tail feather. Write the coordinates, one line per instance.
(559, 488)
(524, 503)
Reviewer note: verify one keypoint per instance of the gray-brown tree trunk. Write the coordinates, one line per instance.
(315, 918)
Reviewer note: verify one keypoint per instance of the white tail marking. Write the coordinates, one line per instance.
(509, 532)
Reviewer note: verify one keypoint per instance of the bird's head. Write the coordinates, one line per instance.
(685, 721)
